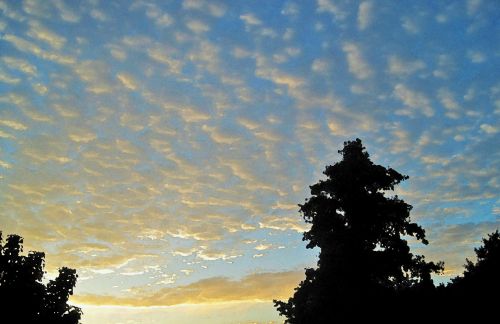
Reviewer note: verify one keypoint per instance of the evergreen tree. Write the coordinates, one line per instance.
(364, 263)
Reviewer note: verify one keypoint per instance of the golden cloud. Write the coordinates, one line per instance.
(255, 287)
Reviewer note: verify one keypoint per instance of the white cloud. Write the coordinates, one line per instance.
(197, 26)
(192, 4)
(414, 99)
(290, 9)
(66, 13)
(98, 15)
(213, 8)
(365, 14)
(330, 7)
(40, 32)
(193, 115)
(37, 8)
(476, 56)
(448, 101)
(81, 135)
(473, 6)
(216, 9)
(220, 137)
(13, 124)
(127, 80)
(489, 129)
(357, 65)
(262, 247)
(250, 19)
(320, 66)
(161, 19)
(28, 47)
(20, 64)
(96, 75)
(445, 66)
(398, 66)
(117, 53)
(240, 53)
(410, 25)
(165, 55)
(6, 78)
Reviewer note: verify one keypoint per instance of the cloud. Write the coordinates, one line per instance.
(6, 78)
(127, 80)
(255, 287)
(98, 15)
(473, 6)
(329, 6)
(96, 75)
(476, 56)
(262, 247)
(445, 67)
(37, 8)
(357, 65)
(290, 9)
(212, 255)
(410, 25)
(213, 8)
(13, 124)
(414, 100)
(365, 14)
(489, 129)
(197, 26)
(320, 66)
(283, 223)
(28, 47)
(266, 71)
(160, 18)
(400, 67)
(66, 13)
(250, 19)
(194, 115)
(220, 137)
(449, 103)
(165, 55)
(38, 31)
(82, 135)
(20, 64)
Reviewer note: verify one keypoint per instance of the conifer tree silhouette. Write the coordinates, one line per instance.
(364, 263)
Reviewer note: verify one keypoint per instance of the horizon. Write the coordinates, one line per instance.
(161, 149)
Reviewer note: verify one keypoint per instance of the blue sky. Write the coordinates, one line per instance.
(161, 148)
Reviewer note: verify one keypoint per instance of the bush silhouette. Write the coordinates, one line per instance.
(23, 296)
(475, 293)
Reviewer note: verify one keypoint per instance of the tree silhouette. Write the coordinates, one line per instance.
(476, 291)
(23, 296)
(364, 266)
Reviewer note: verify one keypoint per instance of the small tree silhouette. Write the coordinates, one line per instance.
(476, 291)
(364, 265)
(23, 296)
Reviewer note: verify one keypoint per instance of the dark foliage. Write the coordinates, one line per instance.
(23, 296)
(475, 293)
(365, 268)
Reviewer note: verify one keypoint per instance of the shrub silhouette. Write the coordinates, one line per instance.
(23, 296)
(475, 293)
(365, 268)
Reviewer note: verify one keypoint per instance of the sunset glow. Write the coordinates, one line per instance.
(161, 148)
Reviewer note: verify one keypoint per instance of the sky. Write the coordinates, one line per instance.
(161, 148)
